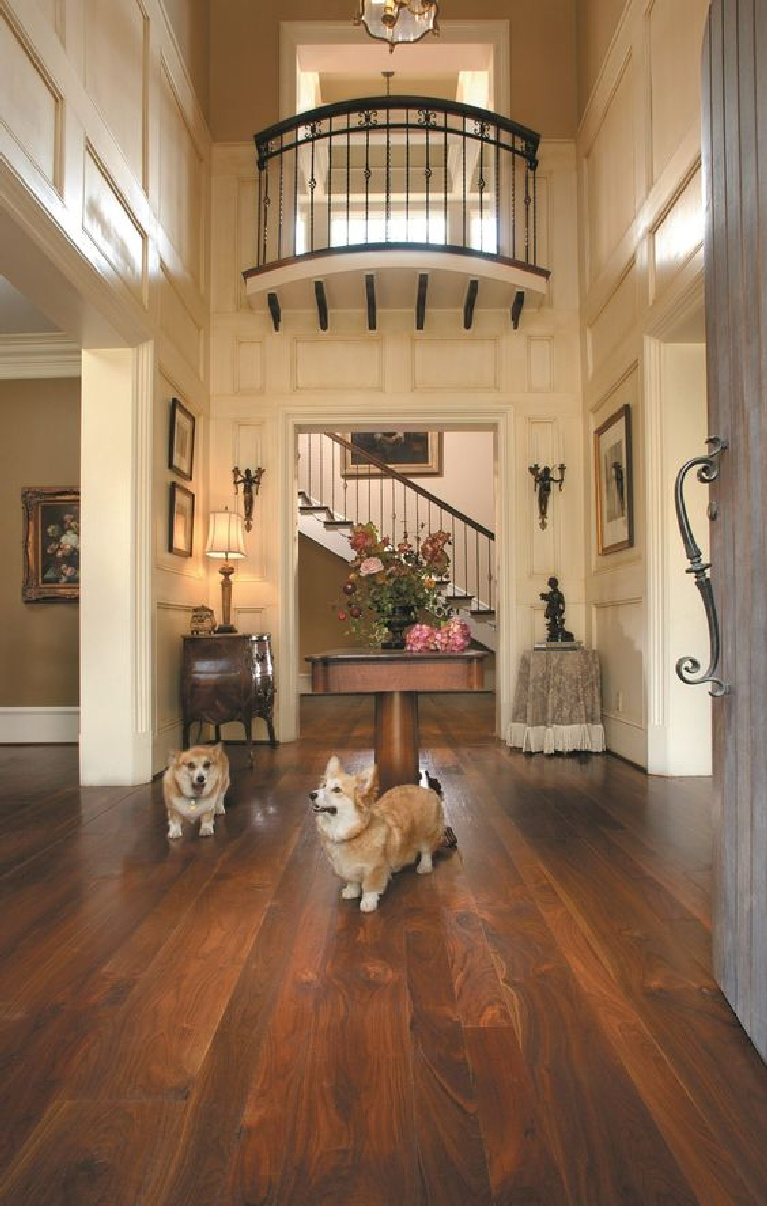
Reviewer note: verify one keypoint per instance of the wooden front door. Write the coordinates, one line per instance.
(735, 182)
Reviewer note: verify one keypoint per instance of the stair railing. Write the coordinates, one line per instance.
(349, 485)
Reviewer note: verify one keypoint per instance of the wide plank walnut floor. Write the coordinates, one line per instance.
(206, 1023)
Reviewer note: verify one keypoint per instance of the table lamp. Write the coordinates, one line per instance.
(226, 540)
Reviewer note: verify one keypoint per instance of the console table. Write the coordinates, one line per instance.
(228, 677)
(557, 703)
(395, 677)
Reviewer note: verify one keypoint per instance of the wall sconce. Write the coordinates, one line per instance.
(250, 480)
(543, 480)
(226, 541)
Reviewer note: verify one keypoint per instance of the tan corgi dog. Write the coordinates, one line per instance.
(194, 786)
(366, 838)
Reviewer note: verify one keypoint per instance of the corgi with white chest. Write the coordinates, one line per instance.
(194, 786)
(367, 838)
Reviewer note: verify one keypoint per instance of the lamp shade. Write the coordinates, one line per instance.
(226, 535)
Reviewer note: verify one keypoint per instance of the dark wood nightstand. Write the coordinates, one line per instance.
(228, 677)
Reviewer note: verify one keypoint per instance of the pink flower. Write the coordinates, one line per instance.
(371, 565)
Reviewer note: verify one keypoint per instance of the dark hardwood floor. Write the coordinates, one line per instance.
(206, 1022)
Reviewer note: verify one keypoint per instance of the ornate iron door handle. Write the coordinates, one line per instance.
(688, 667)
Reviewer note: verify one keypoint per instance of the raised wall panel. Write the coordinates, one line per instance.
(614, 320)
(31, 109)
(339, 364)
(611, 174)
(675, 35)
(116, 45)
(111, 225)
(179, 324)
(456, 364)
(55, 12)
(678, 235)
(619, 640)
(172, 623)
(249, 367)
(540, 364)
(182, 182)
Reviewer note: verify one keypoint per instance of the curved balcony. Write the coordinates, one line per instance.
(393, 202)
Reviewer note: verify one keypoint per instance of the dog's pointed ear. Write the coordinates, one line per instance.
(333, 767)
(367, 784)
(173, 756)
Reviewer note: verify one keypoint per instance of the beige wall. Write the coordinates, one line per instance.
(40, 447)
(189, 21)
(244, 50)
(320, 577)
(596, 22)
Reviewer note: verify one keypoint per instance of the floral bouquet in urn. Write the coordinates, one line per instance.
(390, 585)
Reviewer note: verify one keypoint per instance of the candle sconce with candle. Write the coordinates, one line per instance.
(543, 480)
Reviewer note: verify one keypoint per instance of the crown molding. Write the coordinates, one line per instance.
(36, 356)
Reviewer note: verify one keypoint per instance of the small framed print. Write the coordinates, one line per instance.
(181, 445)
(412, 453)
(180, 520)
(613, 478)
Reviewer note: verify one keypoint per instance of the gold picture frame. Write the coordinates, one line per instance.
(51, 544)
(614, 483)
(411, 453)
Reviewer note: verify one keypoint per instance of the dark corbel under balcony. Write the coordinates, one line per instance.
(396, 203)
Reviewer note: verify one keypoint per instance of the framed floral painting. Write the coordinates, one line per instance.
(181, 445)
(180, 520)
(51, 544)
(412, 453)
(612, 473)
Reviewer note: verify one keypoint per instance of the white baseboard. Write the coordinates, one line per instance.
(39, 726)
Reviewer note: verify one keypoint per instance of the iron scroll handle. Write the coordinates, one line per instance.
(688, 668)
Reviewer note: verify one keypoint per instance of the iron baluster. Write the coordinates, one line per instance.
(348, 172)
(330, 183)
(513, 197)
(498, 191)
(259, 213)
(465, 241)
(280, 190)
(295, 196)
(687, 668)
(367, 183)
(445, 177)
(312, 183)
(407, 176)
(266, 214)
(527, 213)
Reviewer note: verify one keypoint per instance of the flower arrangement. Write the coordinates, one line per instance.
(387, 581)
(450, 637)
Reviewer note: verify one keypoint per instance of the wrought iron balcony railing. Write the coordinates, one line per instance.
(402, 172)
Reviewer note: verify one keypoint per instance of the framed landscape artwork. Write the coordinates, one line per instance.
(180, 520)
(613, 477)
(51, 544)
(181, 445)
(412, 453)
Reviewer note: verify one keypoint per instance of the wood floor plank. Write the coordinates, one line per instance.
(84, 1155)
(208, 1022)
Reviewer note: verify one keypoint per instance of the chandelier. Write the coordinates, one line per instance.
(398, 21)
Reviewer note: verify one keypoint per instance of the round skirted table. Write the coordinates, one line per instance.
(557, 703)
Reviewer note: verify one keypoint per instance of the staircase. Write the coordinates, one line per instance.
(340, 485)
